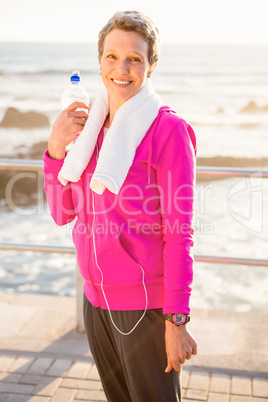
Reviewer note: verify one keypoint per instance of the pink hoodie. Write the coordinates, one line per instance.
(134, 249)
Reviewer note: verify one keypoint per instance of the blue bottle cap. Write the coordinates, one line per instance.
(75, 77)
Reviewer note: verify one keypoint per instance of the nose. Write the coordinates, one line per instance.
(122, 67)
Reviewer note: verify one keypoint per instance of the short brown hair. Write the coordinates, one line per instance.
(137, 22)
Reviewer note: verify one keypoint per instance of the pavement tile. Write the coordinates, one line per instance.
(199, 380)
(31, 379)
(260, 387)
(79, 370)
(240, 398)
(47, 386)
(59, 368)
(220, 383)
(21, 365)
(7, 377)
(185, 377)
(183, 392)
(16, 388)
(189, 400)
(6, 362)
(26, 398)
(81, 384)
(196, 394)
(90, 396)
(40, 366)
(260, 399)
(17, 398)
(241, 385)
(93, 373)
(64, 394)
(217, 397)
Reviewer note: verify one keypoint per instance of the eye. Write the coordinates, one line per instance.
(135, 59)
(111, 56)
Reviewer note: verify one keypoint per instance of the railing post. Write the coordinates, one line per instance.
(79, 301)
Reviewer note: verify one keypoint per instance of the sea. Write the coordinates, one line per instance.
(222, 90)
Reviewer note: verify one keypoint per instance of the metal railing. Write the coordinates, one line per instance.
(71, 250)
(230, 172)
(22, 164)
(37, 165)
(34, 165)
(37, 248)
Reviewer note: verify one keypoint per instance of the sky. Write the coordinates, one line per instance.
(188, 21)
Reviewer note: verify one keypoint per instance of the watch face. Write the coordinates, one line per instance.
(179, 319)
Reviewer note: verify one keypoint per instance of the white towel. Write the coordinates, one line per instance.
(130, 124)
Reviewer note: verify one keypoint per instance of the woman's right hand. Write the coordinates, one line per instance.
(65, 128)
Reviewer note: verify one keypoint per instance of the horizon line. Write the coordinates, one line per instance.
(161, 43)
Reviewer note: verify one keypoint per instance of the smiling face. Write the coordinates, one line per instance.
(124, 65)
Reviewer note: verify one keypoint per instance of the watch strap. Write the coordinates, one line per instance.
(172, 318)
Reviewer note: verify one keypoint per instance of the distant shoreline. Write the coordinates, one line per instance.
(231, 161)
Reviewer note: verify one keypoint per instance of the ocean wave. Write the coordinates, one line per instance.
(44, 71)
(242, 125)
(169, 71)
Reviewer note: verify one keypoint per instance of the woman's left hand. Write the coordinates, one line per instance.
(180, 345)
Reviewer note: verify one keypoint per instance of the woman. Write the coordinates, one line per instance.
(129, 180)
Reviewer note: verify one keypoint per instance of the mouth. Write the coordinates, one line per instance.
(121, 82)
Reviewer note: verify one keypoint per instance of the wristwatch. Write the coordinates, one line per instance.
(178, 318)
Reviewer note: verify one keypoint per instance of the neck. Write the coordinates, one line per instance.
(113, 109)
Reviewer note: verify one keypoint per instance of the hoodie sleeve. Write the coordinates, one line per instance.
(176, 180)
(59, 197)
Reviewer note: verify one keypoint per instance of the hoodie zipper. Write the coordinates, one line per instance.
(93, 233)
(86, 231)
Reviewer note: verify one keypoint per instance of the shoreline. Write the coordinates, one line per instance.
(231, 161)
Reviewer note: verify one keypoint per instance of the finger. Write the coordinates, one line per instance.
(188, 356)
(75, 105)
(194, 349)
(67, 114)
(78, 122)
(77, 129)
(182, 359)
(169, 366)
(80, 114)
(177, 366)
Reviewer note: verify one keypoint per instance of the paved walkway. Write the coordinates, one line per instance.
(42, 358)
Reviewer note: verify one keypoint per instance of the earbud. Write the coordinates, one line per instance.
(149, 75)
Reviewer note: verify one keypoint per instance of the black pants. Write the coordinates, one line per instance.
(131, 367)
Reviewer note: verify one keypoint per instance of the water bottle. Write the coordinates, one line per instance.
(74, 92)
